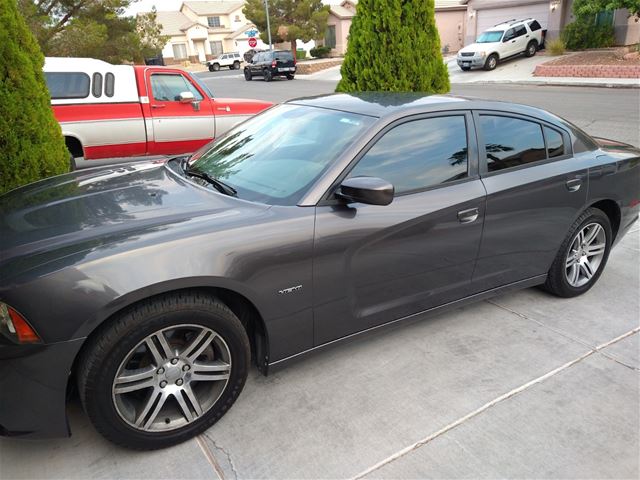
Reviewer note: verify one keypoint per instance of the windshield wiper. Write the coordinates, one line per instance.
(217, 184)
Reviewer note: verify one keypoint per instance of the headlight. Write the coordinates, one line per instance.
(483, 54)
(15, 327)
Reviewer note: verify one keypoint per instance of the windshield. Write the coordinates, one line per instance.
(490, 37)
(276, 156)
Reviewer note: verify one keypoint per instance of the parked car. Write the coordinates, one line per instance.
(505, 40)
(110, 113)
(278, 63)
(152, 287)
(231, 60)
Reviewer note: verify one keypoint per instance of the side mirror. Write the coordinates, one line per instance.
(369, 190)
(186, 97)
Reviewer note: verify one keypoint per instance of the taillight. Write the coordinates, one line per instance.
(295, 60)
(15, 327)
(274, 64)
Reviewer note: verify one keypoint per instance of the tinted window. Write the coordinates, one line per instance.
(96, 88)
(520, 30)
(418, 154)
(168, 87)
(283, 56)
(555, 142)
(511, 142)
(68, 84)
(534, 26)
(109, 84)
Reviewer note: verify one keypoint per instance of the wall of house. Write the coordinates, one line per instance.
(627, 28)
(342, 33)
(451, 27)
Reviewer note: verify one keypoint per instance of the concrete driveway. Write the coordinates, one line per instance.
(524, 385)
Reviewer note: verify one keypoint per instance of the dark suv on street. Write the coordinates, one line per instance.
(279, 63)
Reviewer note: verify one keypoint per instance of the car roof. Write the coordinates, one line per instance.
(392, 104)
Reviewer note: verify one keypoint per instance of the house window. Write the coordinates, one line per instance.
(179, 51)
(330, 36)
(213, 21)
(216, 47)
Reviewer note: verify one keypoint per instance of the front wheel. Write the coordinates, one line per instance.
(211, 68)
(247, 75)
(532, 48)
(492, 62)
(164, 371)
(582, 256)
(215, 67)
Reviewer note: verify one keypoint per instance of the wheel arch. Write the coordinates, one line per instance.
(612, 210)
(74, 145)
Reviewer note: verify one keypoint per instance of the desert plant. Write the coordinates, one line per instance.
(320, 51)
(556, 47)
(585, 33)
(394, 46)
(31, 143)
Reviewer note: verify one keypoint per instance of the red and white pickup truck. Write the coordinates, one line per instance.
(109, 113)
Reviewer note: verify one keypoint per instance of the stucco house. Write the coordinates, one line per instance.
(201, 30)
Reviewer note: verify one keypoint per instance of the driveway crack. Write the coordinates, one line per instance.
(225, 453)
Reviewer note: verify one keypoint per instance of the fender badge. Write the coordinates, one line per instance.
(286, 291)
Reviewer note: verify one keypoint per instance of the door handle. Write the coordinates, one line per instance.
(224, 109)
(574, 184)
(513, 41)
(469, 215)
(155, 105)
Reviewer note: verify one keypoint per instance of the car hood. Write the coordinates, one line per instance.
(84, 209)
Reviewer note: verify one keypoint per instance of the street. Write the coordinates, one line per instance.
(606, 112)
(525, 385)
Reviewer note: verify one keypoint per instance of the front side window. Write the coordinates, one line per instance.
(168, 87)
(490, 37)
(63, 85)
(511, 33)
(418, 154)
(213, 21)
(179, 51)
(276, 156)
(511, 142)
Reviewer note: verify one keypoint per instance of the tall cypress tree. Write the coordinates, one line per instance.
(31, 143)
(394, 46)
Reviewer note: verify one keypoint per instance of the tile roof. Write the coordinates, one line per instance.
(172, 22)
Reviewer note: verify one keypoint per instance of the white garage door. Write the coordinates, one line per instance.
(488, 18)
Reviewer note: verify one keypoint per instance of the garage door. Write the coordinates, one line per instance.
(488, 18)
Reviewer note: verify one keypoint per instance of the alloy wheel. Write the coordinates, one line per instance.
(585, 255)
(171, 378)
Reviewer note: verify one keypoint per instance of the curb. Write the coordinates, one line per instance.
(545, 83)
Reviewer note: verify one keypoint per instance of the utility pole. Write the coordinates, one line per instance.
(266, 7)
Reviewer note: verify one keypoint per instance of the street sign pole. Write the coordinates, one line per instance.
(266, 7)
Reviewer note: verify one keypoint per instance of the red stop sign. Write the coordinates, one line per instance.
(253, 43)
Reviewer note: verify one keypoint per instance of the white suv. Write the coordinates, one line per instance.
(502, 41)
(231, 60)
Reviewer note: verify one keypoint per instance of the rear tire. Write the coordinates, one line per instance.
(290, 76)
(267, 75)
(236, 65)
(532, 48)
(247, 75)
(190, 380)
(492, 62)
(581, 259)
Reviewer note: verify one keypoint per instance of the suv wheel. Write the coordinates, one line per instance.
(492, 62)
(236, 65)
(267, 75)
(290, 76)
(211, 68)
(247, 75)
(215, 67)
(164, 371)
(532, 48)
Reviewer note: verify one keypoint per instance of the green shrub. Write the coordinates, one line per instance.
(301, 53)
(394, 46)
(31, 143)
(584, 33)
(555, 47)
(320, 51)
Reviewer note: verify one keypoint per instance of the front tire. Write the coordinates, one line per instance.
(216, 67)
(247, 75)
(582, 256)
(164, 371)
(532, 48)
(492, 62)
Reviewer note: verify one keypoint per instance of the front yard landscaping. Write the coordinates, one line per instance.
(608, 63)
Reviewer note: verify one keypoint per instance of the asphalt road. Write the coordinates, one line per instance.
(606, 112)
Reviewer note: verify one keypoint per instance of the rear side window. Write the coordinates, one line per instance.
(555, 143)
(511, 142)
(534, 26)
(64, 85)
(419, 154)
(109, 84)
(96, 87)
(520, 30)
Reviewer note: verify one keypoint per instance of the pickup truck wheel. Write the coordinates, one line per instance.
(267, 75)
(247, 75)
(492, 62)
(211, 68)
(216, 67)
(236, 65)
(532, 48)
(164, 371)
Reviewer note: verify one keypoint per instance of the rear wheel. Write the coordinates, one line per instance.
(492, 62)
(267, 75)
(532, 48)
(236, 65)
(164, 371)
(290, 76)
(247, 75)
(582, 256)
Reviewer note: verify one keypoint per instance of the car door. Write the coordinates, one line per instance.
(177, 127)
(509, 43)
(535, 189)
(375, 264)
(521, 38)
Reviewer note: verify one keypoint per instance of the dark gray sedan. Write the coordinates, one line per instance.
(152, 287)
